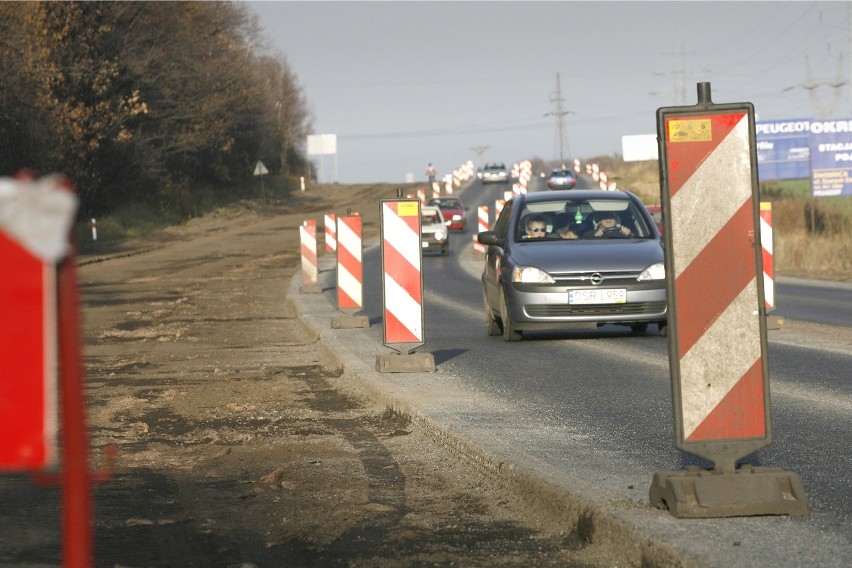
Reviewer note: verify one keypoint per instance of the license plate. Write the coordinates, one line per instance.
(598, 296)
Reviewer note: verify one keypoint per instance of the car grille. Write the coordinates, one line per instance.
(564, 310)
(585, 278)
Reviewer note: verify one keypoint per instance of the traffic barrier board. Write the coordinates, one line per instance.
(310, 267)
(717, 327)
(402, 287)
(350, 273)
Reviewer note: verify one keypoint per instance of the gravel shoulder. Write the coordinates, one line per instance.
(238, 445)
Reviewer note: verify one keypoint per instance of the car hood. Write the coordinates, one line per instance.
(431, 228)
(588, 255)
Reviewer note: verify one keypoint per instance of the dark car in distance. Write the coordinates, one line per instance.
(561, 179)
(596, 259)
(453, 210)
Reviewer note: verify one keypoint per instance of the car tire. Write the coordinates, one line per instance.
(492, 325)
(639, 327)
(510, 334)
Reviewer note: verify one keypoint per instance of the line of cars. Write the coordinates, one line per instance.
(437, 218)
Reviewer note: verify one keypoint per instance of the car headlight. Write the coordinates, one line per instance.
(457, 217)
(531, 275)
(439, 235)
(654, 272)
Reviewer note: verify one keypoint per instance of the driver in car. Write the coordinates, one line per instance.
(608, 226)
(536, 227)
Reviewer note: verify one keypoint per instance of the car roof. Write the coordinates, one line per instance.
(430, 208)
(576, 194)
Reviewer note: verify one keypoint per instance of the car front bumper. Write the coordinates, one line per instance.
(546, 307)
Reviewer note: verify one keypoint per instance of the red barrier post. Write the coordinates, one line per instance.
(350, 273)
(310, 267)
(716, 326)
(402, 287)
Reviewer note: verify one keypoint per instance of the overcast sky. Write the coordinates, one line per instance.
(402, 84)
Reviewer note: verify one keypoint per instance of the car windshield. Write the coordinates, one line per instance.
(582, 219)
(429, 217)
(446, 203)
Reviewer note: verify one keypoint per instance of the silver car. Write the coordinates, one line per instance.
(434, 233)
(592, 257)
(494, 173)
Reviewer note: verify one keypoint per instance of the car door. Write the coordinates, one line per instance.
(493, 258)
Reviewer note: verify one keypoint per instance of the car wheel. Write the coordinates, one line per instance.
(639, 327)
(492, 326)
(661, 328)
(509, 331)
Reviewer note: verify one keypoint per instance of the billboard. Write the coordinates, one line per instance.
(831, 157)
(783, 150)
(322, 144)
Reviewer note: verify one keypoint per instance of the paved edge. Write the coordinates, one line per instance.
(554, 502)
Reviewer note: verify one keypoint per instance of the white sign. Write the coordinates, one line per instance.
(639, 147)
(322, 144)
(260, 169)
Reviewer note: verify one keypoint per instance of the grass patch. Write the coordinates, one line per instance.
(812, 236)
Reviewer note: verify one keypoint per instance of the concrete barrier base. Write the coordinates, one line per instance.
(401, 363)
(349, 321)
(749, 491)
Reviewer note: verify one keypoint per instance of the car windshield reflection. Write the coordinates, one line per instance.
(581, 220)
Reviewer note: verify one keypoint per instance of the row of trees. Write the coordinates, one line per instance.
(145, 102)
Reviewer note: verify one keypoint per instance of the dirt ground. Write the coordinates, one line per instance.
(236, 446)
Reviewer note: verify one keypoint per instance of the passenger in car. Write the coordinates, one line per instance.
(536, 227)
(564, 228)
(607, 225)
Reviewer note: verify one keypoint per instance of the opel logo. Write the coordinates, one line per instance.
(596, 278)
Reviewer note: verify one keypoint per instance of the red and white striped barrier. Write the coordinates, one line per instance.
(94, 229)
(350, 273)
(482, 225)
(421, 195)
(767, 240)
(330, 226)
(310, 269)
(710, 305)
(716, 328)
(350, 278)
(402, 287)
(498, 208)
(436, 189)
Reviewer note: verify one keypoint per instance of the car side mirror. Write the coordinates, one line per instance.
(489, 238)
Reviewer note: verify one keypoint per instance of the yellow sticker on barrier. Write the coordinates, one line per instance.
(407, 209)
(693, 130)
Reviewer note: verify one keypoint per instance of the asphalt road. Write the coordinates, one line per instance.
(590, 411)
